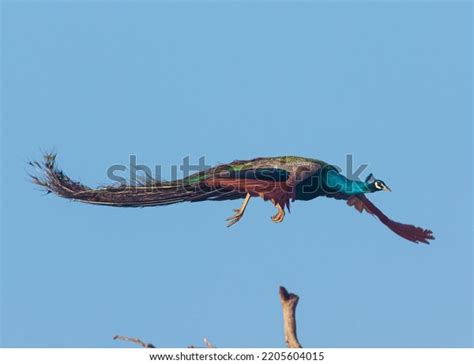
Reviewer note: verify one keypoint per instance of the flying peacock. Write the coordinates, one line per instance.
(280, 180)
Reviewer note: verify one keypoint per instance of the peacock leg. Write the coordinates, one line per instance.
(280, 215)
(238, 212)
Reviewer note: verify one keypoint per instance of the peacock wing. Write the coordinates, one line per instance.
(410, 232)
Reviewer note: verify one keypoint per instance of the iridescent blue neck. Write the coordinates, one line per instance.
(336, 182)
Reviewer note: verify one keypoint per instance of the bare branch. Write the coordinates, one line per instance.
(133, 340)
(209, 344)
(288, 303)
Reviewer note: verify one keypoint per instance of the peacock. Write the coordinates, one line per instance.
(280, 180)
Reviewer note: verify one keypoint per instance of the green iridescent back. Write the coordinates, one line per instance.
(290, 164)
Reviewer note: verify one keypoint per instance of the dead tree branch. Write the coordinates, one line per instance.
(133, 340)
(209, 344)
(288, 304)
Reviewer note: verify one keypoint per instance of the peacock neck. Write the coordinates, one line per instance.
(338, 183)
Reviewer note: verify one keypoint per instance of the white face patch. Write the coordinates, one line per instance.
(378, 185)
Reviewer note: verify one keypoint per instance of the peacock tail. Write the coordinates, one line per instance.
(150, 193)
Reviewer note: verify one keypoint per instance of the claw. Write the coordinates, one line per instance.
(279, 216)
(234, 219)
(238, 212)
(276, 216)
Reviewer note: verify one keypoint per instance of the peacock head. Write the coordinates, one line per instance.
(376, 184)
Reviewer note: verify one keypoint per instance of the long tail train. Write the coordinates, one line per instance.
(154, 193)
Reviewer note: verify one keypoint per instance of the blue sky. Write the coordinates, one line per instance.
(389, 83)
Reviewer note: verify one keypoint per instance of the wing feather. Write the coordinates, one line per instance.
(410, 232)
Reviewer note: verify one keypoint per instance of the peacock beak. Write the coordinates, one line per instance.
(386, 189)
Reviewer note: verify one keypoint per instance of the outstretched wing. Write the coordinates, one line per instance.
(410, 232)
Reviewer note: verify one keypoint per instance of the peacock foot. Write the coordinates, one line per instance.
(235, 218)
(238, 212)
(279, 216)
